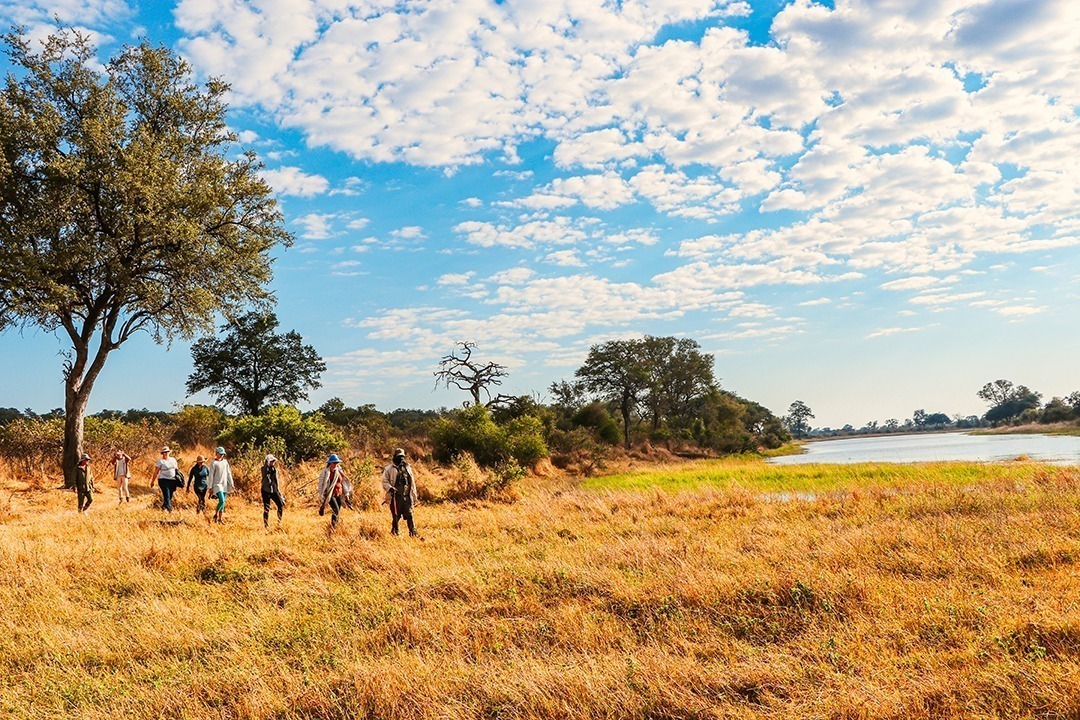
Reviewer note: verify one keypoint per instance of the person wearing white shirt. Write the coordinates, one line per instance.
(165, 468)
(220, 482)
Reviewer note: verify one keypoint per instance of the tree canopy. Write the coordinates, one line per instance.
(123, 207)
(1007, 400)
(798, 418)
(253, 366)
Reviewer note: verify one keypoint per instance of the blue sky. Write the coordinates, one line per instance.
(870, 206)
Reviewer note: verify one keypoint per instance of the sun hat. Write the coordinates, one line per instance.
(219, 450)
(399, 453)
(271, 458)
(84, 457)
(333, 459)
(200, 459)
(166, 449)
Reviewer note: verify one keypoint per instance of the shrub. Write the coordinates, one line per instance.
(596, 417)
(197, 425)
(138, 439)
(471, 482)
(304, 438)
(472, 430)
(33, 445)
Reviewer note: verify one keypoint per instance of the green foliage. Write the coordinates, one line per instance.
(615, 371)
(798, 418)
(304, 438)
(197, 425)
(473, 430)
(596, 417)
(1008, 401)
(124, 205)
(253, 365)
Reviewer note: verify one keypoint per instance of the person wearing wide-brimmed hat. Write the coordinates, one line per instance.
(84, 483)
(165, 469)
(221, 482)
(197, 480)
(400, 485)
(122, 474)
(335, 489)
(271, 490)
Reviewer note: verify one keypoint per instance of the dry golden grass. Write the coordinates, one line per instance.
(919, 598)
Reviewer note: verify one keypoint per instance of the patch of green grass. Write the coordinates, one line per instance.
(755, 474)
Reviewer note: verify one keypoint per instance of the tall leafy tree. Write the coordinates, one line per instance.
(253, 366)
(798, 418)
(1007, 400)
(678, 373)
(616, 371)
(123, 207)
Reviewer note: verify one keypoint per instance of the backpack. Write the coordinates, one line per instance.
(403, 487)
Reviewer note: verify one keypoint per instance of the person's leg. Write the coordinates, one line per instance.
(266, 508)
(409, 521)
(220, 506)
(89, 498)
(200, 507)
(165, 485)
(280, 502)
(120, 488)
(335, 508)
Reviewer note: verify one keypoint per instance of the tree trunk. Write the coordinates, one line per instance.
(626, 409)
(74, 410)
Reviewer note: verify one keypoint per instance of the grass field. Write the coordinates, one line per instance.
(707, 590)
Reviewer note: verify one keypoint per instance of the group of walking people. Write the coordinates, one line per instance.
(334, 488)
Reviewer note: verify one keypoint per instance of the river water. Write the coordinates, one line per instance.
(932, 447)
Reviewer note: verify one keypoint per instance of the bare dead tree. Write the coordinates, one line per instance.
(459, 369)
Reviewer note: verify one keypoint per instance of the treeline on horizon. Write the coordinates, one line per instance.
(641, 396)
(1010, 405)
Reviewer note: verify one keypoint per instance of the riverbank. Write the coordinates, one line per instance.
(1067, 428)
(931, 591)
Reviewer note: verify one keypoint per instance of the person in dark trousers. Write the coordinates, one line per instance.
(197, 480)
(165, 469)
(335, 489)
(84, 483)
(400, 485)
(271, 490)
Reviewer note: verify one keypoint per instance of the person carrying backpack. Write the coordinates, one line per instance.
(399, 482)
(335, 489)
(271, 491)
(84, 483)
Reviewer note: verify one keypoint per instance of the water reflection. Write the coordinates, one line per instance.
(937, 447)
